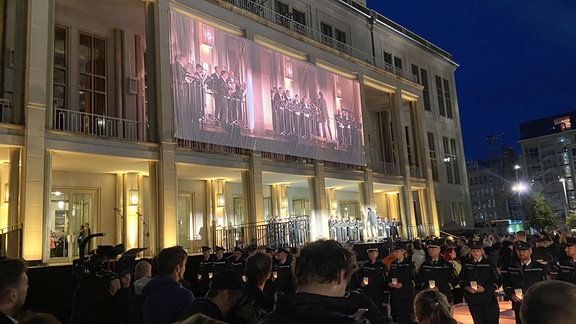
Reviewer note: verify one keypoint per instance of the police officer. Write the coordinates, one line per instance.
(521, 275)
(400, 283)
(371, 278)
(282, 271)
(236, 262)
(435, 272)
(219, 262)
(567, 271)
(480, 280)
(205, 271)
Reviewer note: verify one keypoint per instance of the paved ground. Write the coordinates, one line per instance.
(462, 315)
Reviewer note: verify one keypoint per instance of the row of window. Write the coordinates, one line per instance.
(482, 192)
(482, 204)
(480, 180)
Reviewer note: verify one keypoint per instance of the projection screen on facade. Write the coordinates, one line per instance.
(231, 91)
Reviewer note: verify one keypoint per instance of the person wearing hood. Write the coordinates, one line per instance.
(322, 270)
(165, 296)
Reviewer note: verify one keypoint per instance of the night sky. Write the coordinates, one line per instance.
(517, 59)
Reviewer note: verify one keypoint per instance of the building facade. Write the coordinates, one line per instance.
(548, 151)
(179, 122)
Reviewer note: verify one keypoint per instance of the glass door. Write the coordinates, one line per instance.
(72, 213)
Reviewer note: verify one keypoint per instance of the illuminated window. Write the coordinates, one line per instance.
(562, 123)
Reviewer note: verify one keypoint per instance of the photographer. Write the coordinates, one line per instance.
(101, 291)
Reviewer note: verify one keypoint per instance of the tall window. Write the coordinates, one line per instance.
(300, 18)
(397, 66)
(432, 154)
(408, 146)
(282, 14)
(451, 160)
(341, 38)
(444, 97)
(421, 76)
(92, 74)
(60, 63)
(326, 33)
(387, 61)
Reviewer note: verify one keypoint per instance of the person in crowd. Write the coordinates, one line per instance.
(13, 288)
(418, 254)
(547, 253)
(432, 307)
(224, 294)
(372, 224)
(462, 248)
(258, 270)
(521, 275)
(142, 276)
(450, 256)
(100, 296)
(521, 236)
(236, 261)
(165, 295)
(40, 318)
(435, 272)
(322, 271)
(567, 267)
(400, 283)
(549, 302)
(219, 262)
(206, 270)
(371, 278)
(480, 279)
(282, 271)
(505, 254)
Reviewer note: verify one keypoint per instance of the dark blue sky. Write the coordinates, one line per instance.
(517, 59)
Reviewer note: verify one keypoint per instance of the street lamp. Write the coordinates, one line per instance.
(565, 196)
(519, 187)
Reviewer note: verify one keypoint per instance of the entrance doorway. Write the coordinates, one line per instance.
(72, 213)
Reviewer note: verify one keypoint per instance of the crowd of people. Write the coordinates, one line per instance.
(323, 282)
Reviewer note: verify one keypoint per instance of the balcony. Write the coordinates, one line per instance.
(286, 21)
(98, 125)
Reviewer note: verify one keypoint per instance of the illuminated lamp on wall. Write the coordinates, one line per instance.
(284, 202)
(6, 193)
(133, 197)
(220, 198)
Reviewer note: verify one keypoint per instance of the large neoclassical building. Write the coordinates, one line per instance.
(208, 122)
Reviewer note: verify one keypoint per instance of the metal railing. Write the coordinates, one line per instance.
(11, 241)
(97, 125)
(420, 231)
(5, 111)
(289, 23)
(286, 233)
(385, 168)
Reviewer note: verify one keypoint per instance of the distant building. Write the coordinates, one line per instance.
(491, 182)
(549, 150)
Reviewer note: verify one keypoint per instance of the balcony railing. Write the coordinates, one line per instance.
(420, 231)
(415, 172)
(385, 168)
(98, 125)
(286, 233)
(287, 22)
(5, 111)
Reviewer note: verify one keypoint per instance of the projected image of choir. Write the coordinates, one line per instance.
(216, 99)
(299, 117)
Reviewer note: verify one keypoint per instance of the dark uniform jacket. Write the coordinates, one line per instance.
(567, 271)
(303, 308)
(284, 271)
(442, 272)
(518, 276)
(236, 265)
(376, 274)
(404, 273)
(484, 272)
(219, 265)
